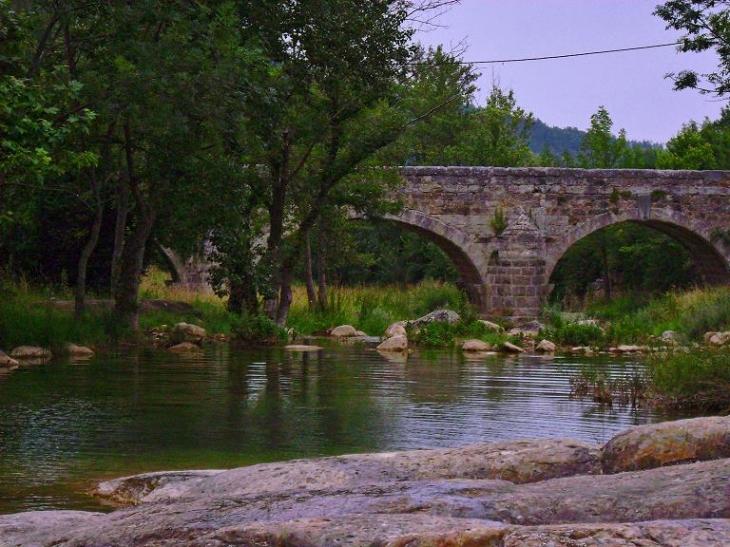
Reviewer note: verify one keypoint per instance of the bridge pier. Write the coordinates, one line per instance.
(515, 281)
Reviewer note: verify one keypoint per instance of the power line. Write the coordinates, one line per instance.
(582, 54)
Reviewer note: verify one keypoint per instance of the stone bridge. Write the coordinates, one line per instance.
(505, 229)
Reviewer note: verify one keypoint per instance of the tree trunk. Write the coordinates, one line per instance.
(308, 278)
(274, 250)
(80, 292)
(131, 264)
(119, 229)
(321, 268)
(607, 286)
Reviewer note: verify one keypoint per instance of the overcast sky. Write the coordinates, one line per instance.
(565, 92)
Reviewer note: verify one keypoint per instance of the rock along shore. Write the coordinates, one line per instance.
(658, 485)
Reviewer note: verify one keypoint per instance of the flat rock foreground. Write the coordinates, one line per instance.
(659, 485)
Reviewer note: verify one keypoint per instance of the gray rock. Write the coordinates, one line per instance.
(302, 348)
(185, 347)
(343, 331)
(33, 528)
(546, 346)
(150, 486)
(7, 361)
(719, 338)
(660, 533)
(397, 343)
(690, 491)
(491, 326)
(437, 316)
(515, 461)
(398, 328)
(668, 443)
(530, 326)
(80, 352)
(509, 347)
(30, 352)
(187, 332)
(476, 345)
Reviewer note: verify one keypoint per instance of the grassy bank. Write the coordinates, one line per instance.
(642, 320)
(43, 316)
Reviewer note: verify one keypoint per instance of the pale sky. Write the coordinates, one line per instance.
(565, 92)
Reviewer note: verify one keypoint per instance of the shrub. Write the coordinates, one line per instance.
(437, 334)
(699, 379)
(258, 330)
(574, 334)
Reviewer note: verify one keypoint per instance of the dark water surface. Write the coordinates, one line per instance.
(65, 426)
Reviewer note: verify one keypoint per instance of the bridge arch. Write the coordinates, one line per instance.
(712, 262)
(454, 243)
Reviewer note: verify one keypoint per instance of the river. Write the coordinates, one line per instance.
(64, 426)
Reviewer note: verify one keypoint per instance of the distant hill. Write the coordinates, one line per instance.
(556, 139)
(564, 139)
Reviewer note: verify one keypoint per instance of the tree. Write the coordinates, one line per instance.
(600, 149)
(699, 146)
(707, 26)
(160, 78)
(687, 150)
(331, 104)
(439, 91)
(497, 134)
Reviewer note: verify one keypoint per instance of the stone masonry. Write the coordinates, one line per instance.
(506, 228)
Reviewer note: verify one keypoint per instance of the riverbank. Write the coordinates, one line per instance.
(664, 485)
(691, 331)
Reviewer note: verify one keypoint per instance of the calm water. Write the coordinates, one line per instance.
(65, 426)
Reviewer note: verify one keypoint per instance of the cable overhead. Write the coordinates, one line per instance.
(567, 55)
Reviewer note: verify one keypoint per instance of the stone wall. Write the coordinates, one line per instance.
(547, 210)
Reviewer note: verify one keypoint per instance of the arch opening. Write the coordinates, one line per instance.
(632, 256)
(451, 243)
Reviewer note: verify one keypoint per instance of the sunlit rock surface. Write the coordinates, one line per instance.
(518, 493)
(668, 443)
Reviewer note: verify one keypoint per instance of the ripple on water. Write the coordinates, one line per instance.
(64, 426)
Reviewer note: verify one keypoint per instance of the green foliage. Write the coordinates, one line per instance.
(691, 314)
(373, 308)
(432, 335)
(624, 389)
(699, 379)
(710, 311)
(28, 318)
(257, 330)
(696, 146)
(498, 222)
(600, 149)
(496, 134)
(381, 253)
(438, 81)
(573, 334)
(706, 24)
(626, 258)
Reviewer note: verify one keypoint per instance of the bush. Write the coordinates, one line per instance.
(437, 334)
(699, 379)
(258, 330)
(574, 334)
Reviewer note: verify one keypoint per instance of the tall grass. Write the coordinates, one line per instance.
(699, 379)
(205, 307)
(372, 309)
(690, 313)
(26, 319)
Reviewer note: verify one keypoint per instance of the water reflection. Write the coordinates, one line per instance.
(64, 426)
